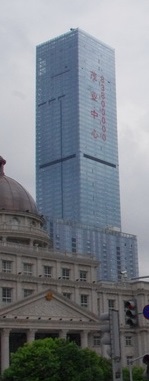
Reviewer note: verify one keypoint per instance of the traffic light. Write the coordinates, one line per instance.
(110, 332)
(146, 361)
(106, 334)
(105, 329)
(131, 313)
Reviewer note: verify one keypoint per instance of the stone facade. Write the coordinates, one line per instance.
(46, 293)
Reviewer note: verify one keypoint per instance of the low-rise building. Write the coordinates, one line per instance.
(44, 293)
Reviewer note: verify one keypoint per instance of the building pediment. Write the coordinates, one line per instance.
(47, 304)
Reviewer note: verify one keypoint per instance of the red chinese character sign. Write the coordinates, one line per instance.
(94, 96)
(95, 134)
(98, 109)
(93, 76)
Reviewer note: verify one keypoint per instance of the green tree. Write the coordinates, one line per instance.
(137, 374)
(56, 360)
(98, 367)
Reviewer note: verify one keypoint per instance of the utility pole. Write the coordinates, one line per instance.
(111, 337)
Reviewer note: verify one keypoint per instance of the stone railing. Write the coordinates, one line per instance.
(22, 229)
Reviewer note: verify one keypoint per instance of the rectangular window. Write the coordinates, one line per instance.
(6, 266)
(111, 303)
(83, 276)
(88, 247)
(129, 359)
(6, 294)
(65, 273)
(27, 292)
(73, 242)
(27, 268)
(96, 341)
(84, 300)
(128, 341)
(67, 295)
(47, 271)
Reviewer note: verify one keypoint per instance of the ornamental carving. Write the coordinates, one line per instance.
(49, 296)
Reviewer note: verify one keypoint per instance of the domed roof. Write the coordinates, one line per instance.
(13, 197)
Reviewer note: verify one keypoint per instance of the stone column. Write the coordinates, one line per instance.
(31, 335)
(84, 339)
(4, 349)
(63, 334)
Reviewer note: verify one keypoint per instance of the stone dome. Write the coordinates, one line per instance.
(13, 197)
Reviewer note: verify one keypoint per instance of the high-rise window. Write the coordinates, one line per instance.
(73, 240)
(88, 247)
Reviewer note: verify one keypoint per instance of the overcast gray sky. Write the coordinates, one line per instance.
(122, 24)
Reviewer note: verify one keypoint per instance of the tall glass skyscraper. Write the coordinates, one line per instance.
(77, 172)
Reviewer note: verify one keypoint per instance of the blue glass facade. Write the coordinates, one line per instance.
(116, 251)
(77, 149)
(77, 171)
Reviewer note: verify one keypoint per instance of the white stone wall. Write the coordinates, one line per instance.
(98, 293)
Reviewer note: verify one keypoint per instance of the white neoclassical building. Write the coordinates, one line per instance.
(44, 293)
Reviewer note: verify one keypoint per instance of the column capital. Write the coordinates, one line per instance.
(5, 331)
(63, 333)
(31, 334)
(33, 330)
